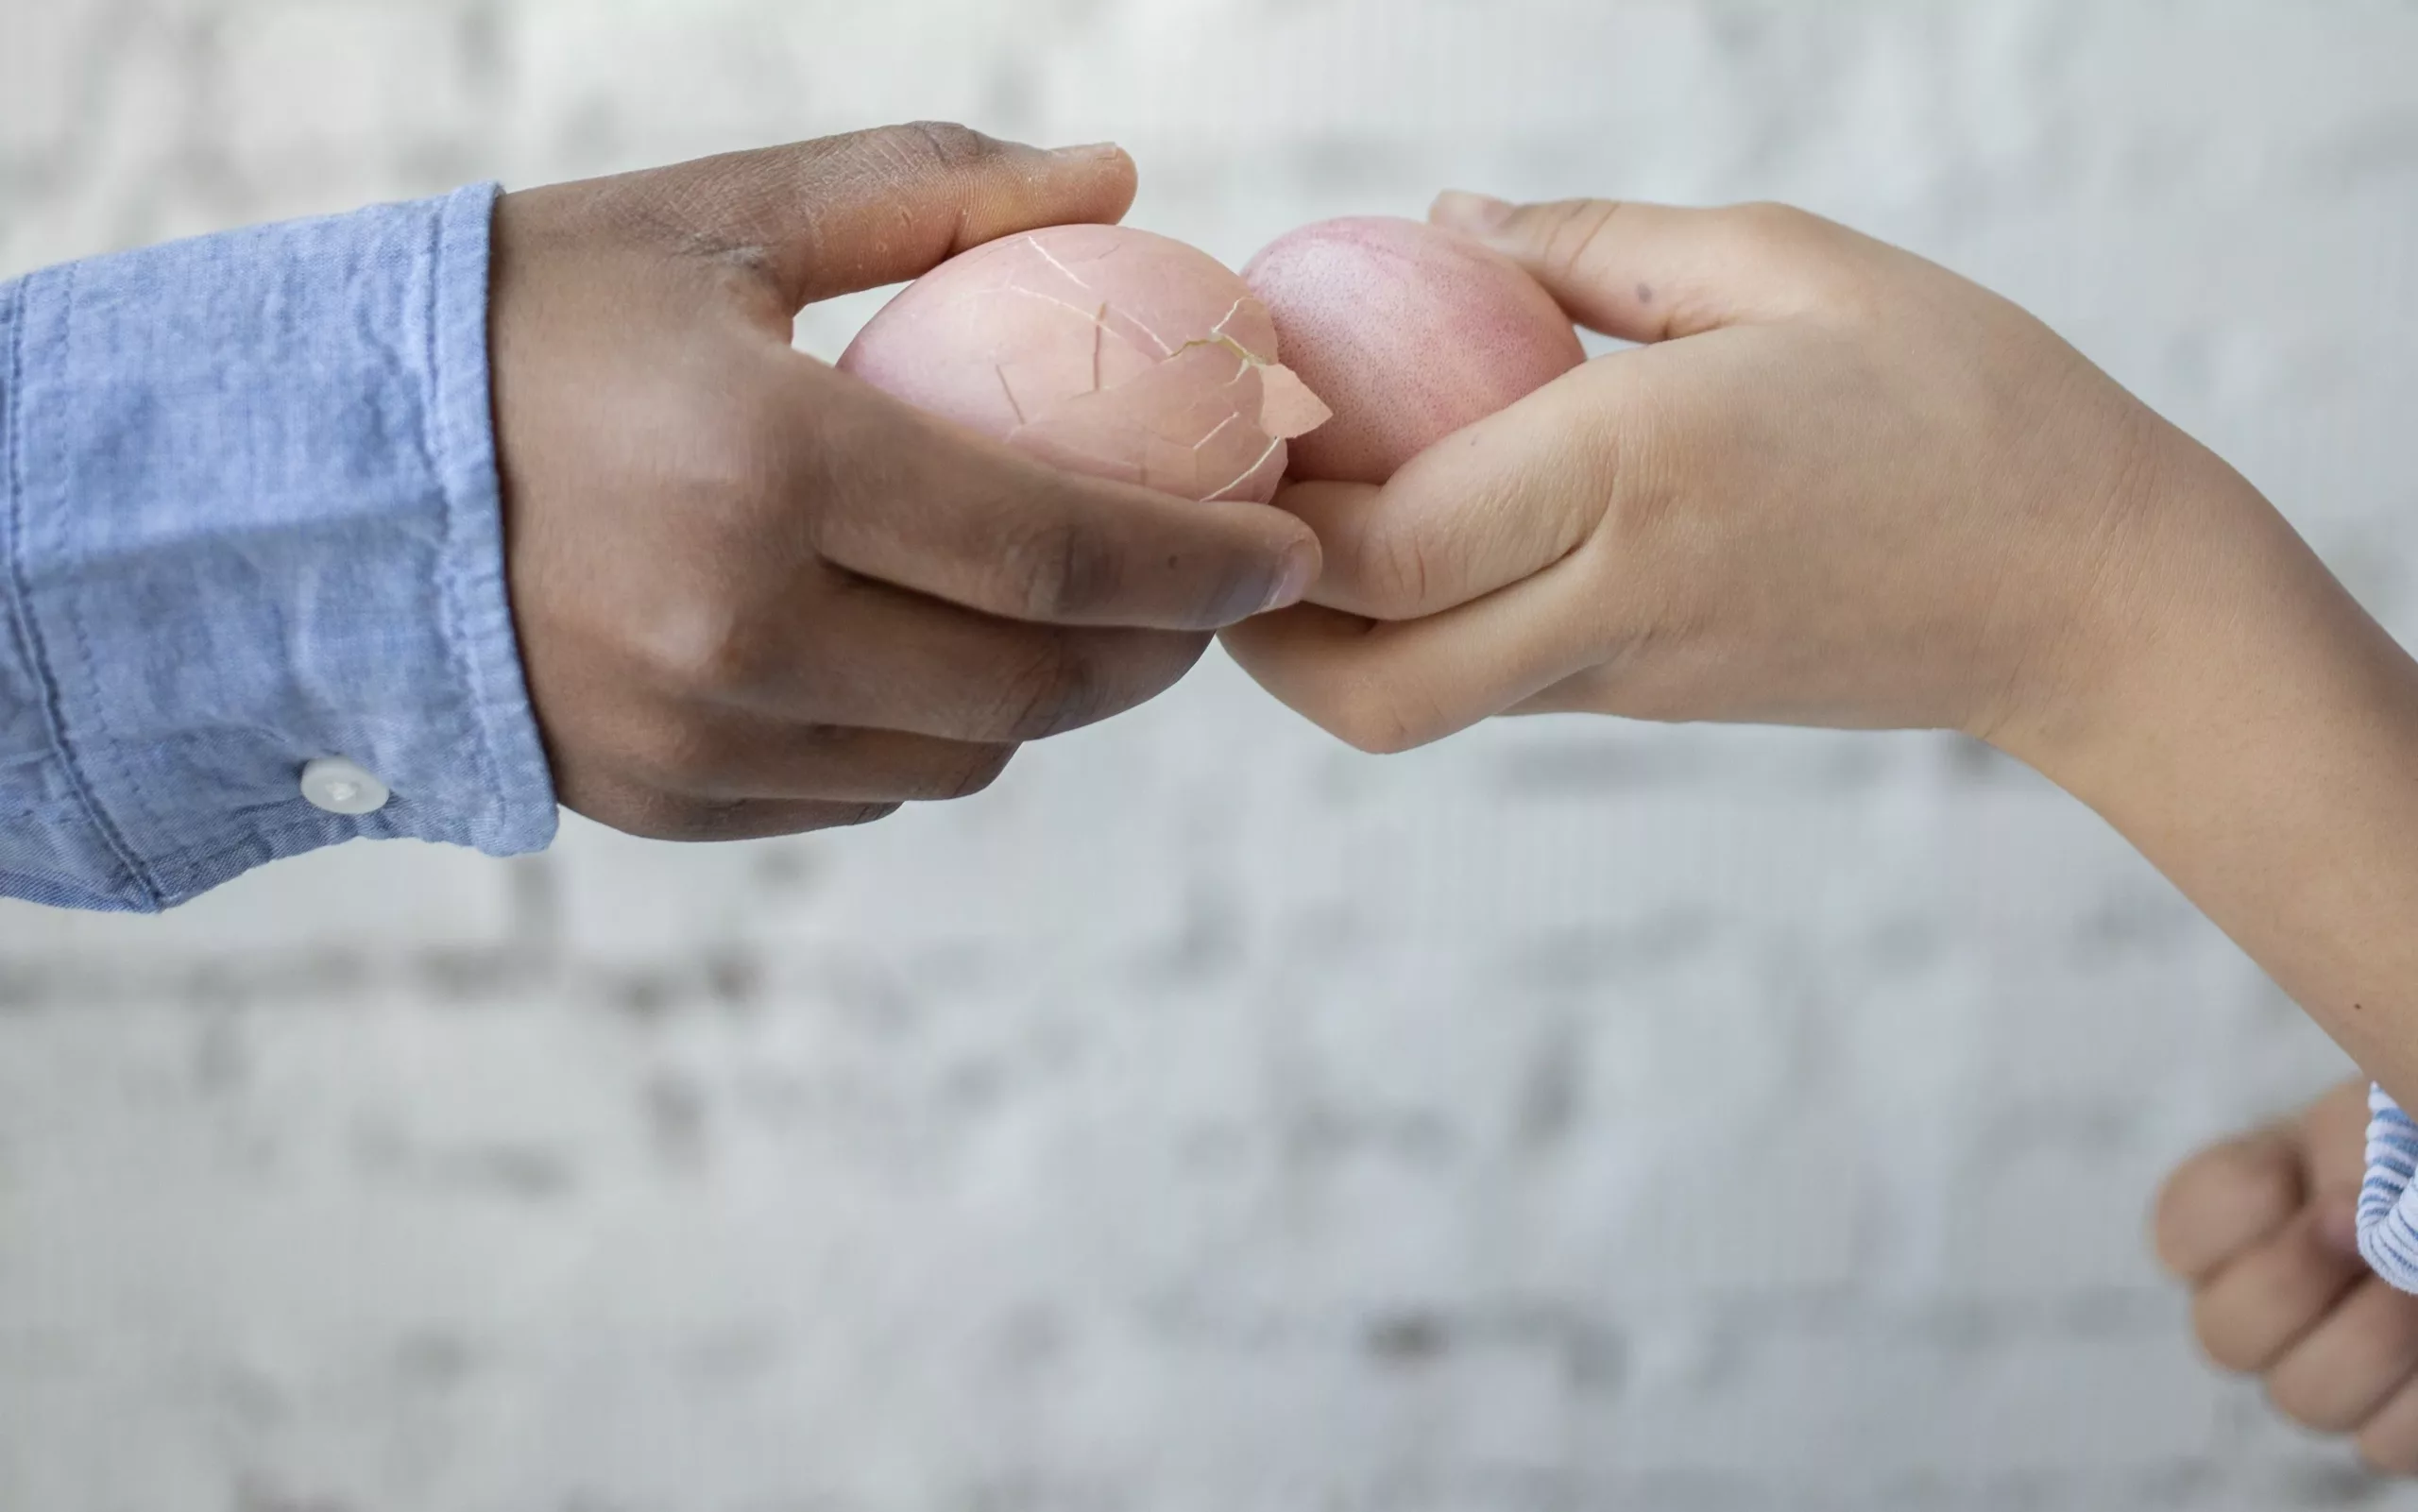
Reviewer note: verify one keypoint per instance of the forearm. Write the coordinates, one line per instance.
(2257, 740)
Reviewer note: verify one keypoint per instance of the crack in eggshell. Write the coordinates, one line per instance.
(1194, 424)
(1206, 415)
(1164, 426)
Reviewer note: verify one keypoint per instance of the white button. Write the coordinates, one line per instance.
(342, 786)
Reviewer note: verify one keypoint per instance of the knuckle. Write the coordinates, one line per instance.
(2389, 1453)
(737, 465)
(1369, 717)
(700, 820)
(1771, 222)
(1049, 691)
(848, 816)
(704, 647)
(1060, 570)
(1644, 530)
(1400, 575)
(2286, 1398)
(2229, 1353)
(664, 817)
(977, 771)
(1816, 259)
(1238, 587)
(2223, 1339)
(2215, 1196)
(2250, 1172)
(1576, 232)
(943, 145)
(2300, 1396)
(677, 753)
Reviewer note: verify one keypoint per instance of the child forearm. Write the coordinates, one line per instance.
(2259, 742)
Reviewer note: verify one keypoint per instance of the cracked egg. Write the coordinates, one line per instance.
(1102, 349)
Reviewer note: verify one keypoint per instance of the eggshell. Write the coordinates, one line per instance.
(1410, 331)
(1103, 349)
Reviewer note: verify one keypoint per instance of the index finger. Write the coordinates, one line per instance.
(2226, 1198)
(1494, 503)
(920, 504)
(840, 214)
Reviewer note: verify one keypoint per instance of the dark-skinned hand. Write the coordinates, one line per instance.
(756, 596)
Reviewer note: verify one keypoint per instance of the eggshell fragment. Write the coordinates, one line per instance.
(1102, 349)
(1410, 331)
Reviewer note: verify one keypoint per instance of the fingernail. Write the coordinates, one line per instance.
(1088, 152)
(1463, 210)
(1301, 570)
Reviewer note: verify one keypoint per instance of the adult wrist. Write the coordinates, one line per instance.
(251, 526)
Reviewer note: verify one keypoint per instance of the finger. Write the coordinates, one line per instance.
(2337, 1376)
(915, 502)
(2265, 1301)
(1646, 272)
(1493, 503)
(1386, 687)
(846, 213)
(2389, 1440)
(893, 660)
(729, 753)
(2336, 1216)
(653, 815)
(2334, 1137)
(2224, 1199)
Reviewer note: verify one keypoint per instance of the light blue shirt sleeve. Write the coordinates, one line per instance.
(249, 516)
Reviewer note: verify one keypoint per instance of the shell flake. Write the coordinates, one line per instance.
(1102, 349)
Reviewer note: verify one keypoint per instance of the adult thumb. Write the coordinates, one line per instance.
(840, 214)
(1646, 272)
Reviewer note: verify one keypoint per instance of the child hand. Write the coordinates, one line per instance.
(1838, 486)
(2261, 1228)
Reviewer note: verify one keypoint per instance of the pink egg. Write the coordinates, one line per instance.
(1409, 331)
(1104, 351)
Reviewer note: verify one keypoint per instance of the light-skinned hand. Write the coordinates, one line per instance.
(2261, 1228)
(1837, 484)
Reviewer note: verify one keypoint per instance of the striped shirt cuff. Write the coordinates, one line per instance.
(2388, 1217)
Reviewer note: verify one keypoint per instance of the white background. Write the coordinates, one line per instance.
(1574, 1115)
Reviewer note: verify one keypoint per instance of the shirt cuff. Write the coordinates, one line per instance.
(2388, 1218)
(249, 516)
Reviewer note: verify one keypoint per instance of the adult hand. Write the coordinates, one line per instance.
(754, 596)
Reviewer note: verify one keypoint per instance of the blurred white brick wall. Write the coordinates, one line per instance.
(1208, 1117)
